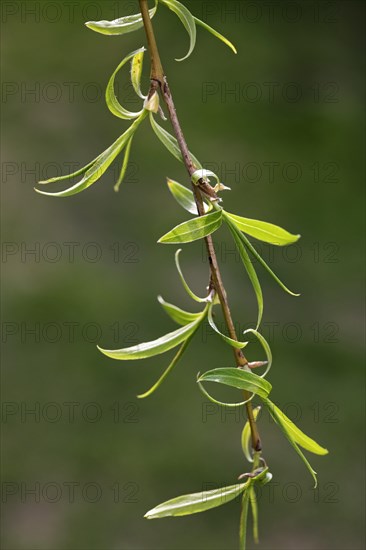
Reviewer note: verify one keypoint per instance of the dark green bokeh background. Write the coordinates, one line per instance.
(165, 446)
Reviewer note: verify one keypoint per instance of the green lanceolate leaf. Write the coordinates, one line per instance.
(185, 197)
(215, 33)
(254, 509)
(170, 142)
(244, 520)
(175, 360)
(250, 270)
(263, 231)
(246, 436)
(156, 347)
(122, 25)
(295, 433)
(230, 341)
(112, 102)
(136, 72)
(194, 229)
(126, 158)
(196, 502)
(69, 176)
(178, 315)
(184, 283)
(100, 165)
(251, 248)
(238, 378)
(278, 417)
(188, 21)
(265, 346)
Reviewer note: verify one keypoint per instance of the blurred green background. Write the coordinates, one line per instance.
(282, 124)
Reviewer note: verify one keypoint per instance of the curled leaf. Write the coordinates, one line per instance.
(221, 403)
(188, 21)
(122, 25)
(185, 285)
(265, 346)
(238, 378)
(136, 72)
(112, 102)
(193, 230)
(230, 341)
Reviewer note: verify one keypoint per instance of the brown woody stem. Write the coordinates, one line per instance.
(158, 79)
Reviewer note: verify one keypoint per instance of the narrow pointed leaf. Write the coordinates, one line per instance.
(254, 509)
(263, 231)
(122, 25)
(265, 346)
(112, 102)
(150, 349)
(244, 520)
(136, 72)
(250, 270)
(184, 283)
(230, 341)
(69, 176)
(295, 433)
(175, 360)
(238, 378)
(101, 164)
(193, 230)
(185, 197)
(215, 33)
(289, 437)
(251, 248)
(170, 142)
(188, 21)
(196, 502)
(178, 315)
(246, 436)
(126, 158)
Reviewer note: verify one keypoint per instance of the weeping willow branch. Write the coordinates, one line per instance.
(159, 80)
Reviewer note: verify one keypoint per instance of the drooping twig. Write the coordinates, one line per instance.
(159, 81)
